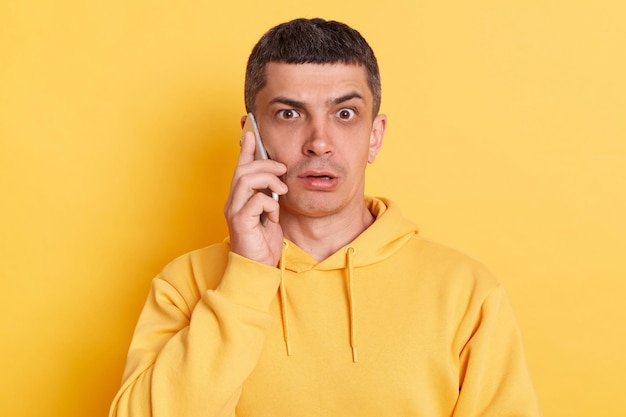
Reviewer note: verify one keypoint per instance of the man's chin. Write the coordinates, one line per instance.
(312, 206)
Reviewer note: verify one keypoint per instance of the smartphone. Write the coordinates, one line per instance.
(260, 153)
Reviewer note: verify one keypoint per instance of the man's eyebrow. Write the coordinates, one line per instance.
(288, 102)
(346, 97)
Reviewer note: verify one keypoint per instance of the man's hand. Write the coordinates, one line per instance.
(243, 209)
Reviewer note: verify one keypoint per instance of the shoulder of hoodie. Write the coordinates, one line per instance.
(453, 265)
(196, 271)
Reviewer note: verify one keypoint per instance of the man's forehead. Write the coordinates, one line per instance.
(307, 78)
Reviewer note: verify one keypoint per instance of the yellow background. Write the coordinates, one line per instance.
(119, 129)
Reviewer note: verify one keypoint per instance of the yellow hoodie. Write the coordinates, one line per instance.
(390, 325)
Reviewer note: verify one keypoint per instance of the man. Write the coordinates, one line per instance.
(334, 307)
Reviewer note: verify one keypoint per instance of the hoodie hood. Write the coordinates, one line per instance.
(389, 232)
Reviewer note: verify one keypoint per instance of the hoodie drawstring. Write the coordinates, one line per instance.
(350, 251)
(283, 299)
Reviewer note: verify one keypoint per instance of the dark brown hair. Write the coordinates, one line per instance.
(310, 41)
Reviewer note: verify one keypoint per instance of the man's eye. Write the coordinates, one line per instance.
(288, 114)
(346, 114)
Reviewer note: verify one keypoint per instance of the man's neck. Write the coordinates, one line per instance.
(320, 237)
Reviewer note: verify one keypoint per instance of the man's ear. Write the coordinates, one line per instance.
(376, 136)
(243, 120)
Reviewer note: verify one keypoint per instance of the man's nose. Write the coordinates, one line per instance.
(319, 142)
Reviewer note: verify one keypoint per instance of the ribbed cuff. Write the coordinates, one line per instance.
(249, 283)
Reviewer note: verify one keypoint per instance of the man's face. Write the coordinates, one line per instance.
(317, 120)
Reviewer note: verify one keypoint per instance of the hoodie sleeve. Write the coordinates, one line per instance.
(495, 381)
(190, 357)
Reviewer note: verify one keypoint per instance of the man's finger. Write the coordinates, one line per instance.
(247, 149)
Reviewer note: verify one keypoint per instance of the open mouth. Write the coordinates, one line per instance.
(319, 181)
(321, 177)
